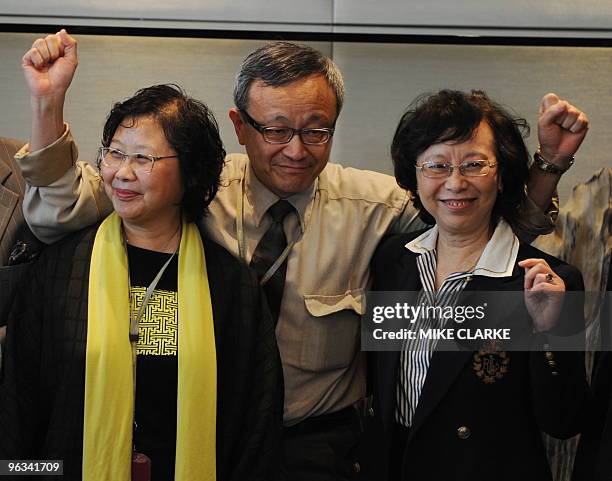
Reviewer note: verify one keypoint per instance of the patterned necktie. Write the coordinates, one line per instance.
(270, 248)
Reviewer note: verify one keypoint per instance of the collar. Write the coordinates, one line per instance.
(497, 259)
(426, 242)
(261, 198)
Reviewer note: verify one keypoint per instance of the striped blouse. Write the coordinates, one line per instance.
(416, 354)
(497, 260)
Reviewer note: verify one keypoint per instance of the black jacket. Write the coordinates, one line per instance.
(41, 398)
(502, 419)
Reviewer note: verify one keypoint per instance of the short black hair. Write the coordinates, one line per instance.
(192, 131)
(454, 116)
(281, 63)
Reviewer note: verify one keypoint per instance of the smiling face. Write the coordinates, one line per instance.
(290, 168)
(149, 199)
(460, 205)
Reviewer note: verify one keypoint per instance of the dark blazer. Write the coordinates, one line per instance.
(464, 428)
(12, 224)
(41, 398)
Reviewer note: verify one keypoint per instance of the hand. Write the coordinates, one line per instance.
(544, 291)
(561, 129)
(50, 64)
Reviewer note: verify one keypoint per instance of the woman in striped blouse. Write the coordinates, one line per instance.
(474, 413)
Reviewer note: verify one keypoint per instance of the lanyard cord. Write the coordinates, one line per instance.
(135, 323)
(242, 241)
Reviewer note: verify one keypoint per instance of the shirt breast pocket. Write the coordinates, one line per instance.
(331, 336)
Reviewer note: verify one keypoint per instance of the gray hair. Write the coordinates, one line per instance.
(281, 63)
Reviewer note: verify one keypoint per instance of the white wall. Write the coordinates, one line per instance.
(585, 18)
(473, 17)
(381, 79)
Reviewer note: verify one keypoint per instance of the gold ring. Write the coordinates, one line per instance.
(549, 277)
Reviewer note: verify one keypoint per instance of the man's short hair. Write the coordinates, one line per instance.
(281, 63)
(192, 131)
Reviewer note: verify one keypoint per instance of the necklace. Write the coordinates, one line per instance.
(145, 242)
(471, 268)
(177, 231)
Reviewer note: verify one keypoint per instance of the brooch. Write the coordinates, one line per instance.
(490, 365)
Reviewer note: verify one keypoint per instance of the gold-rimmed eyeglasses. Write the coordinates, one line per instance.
(469, 168)
(113, 159)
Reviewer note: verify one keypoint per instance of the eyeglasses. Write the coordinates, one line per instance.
(112, 159)
(283, 135)
(469, 168)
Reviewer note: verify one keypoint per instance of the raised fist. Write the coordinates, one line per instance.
(50, 64)
(561, 129)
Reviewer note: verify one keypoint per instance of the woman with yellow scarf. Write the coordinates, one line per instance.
(140, 345)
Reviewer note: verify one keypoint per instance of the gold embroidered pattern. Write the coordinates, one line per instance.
(490, 366)
(158, 327)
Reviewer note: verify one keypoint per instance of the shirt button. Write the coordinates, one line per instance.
(356, 467)
(463, 432)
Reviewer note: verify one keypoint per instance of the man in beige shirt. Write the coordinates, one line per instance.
(288, 98)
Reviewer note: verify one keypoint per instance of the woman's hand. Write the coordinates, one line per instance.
(544, 291)
(48, 68)
(561, 129)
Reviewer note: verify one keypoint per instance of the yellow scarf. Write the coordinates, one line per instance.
(109, 390)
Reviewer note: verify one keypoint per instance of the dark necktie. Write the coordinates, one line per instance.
(270, 248)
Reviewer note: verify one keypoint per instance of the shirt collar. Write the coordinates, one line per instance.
(497, 259)
(261, 198)
(425, 242)
(500, 253)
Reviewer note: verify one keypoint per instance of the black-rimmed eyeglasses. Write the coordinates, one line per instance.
(283, 135)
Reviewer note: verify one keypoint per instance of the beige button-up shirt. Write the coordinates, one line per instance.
(339, 221)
